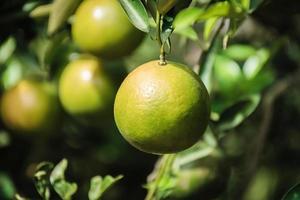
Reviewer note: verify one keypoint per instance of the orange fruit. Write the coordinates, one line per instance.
(85, 89)
(31, 106)
(101, 27)
(162, 108)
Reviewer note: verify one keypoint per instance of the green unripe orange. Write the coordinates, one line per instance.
(101, 27)
(85, 90)
(162, 108)
(31, 106)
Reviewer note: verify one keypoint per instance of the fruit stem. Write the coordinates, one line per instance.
(164, 165)
(162, 56)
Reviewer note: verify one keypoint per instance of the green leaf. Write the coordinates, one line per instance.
(4, 139)
(41, 179)
(57, 178)
(137, 14)
(99, 185)
(13, 73)
(188, 32)
(60, 12)
(246, 4)
(7, 188)
(239, 52)
(237, 113)
(221, 9)
(227, 72)
(293, 193)
(187, 17)
(209, 27)
(255, 63)
(19, 197)
(7, 49)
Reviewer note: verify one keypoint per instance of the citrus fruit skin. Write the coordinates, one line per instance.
(31, 106)
(162, 108)
(101, 27)
(85, 90)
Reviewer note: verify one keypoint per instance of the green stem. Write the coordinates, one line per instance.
(165, 165)
(162, 56)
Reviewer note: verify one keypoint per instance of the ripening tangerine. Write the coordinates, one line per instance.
(101, 27)
(162, 108)
(31, 106)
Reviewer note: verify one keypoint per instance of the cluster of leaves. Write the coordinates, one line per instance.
(181, 16)
(49, 177)
(240, 74)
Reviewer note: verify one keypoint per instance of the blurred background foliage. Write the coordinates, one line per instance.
(251, 150)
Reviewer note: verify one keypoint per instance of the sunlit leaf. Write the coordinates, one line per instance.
(99, 185)
(227, 72)
(16, 67)
(221, 9)
(63, 188)
(187, 17)
(209, 27)
(239, 52)
(254, 63)
(188, 32)
(246, 4)
(6, 49)
(61, 10)
(19, 197)
(137, 14)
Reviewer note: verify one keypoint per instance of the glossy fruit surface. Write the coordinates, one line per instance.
(31, 106)
(162, 108)
(101, 27)
(85, 90)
